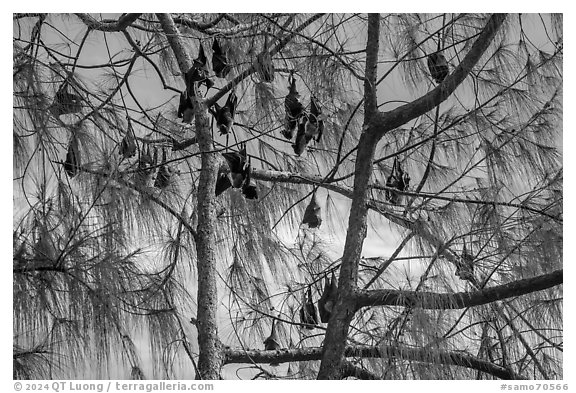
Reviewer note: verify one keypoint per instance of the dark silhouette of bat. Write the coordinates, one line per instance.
(198, 73)
(397, 179)
(72, 163)
(164, 174)
(312, 214)
(66, 102)
(225, 115)
(315, 124)
(186, 108)
(328, 299)
(293, 107)
(308, 314)
(128, 145)
(272, 343)
(438, 66)
(220, 63)
(239, 167)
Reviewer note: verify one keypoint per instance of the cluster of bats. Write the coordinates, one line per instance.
(306, 125)
(237, 175)
(148, 162)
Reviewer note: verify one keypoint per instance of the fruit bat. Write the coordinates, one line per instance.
(66, 102)
(222, 183)
(186, 108)
(272, 343)
(239, 167)
(308, 314)
(438, 66)
(219, 61)
(293, 107)
(312, 214)
(328, 299)
(198, 73)
(128, 145)
(164, 173)
(72, 163)
(329, 306)
(397, 179)
(315, 124)
(300, 143)
(249, 190)
(465, 265)
(225, 115)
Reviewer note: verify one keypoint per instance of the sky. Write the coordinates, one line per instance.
(333, 7)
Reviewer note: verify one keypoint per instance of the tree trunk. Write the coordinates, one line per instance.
(337, 333)
(210, 359)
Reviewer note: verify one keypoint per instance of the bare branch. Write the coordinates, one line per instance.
(361, 351)
(444, 301)
(120, 25)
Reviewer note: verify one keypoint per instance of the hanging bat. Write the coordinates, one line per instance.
(249, 190)
(300, 143)
(397, 179)
(186, 108)
(438, 66)
(331, 301)
(315, 124)
(225, 115)
(272, 343)
(308, 314)
(465, 265)
(293, 107)
(198, 73)
(312, 214)
(219, 61)
(164, 173)
(66, 102)
(391, 196)
(239, 168)
(222, 183)
(72, 163)
(128, 145)
(328, 299)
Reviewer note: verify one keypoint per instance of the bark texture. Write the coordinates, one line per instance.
(210, 357)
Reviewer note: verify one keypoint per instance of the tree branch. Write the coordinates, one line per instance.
(364, 351)
(343, 311)
(386, 121)
(120, 25)
(444, 301)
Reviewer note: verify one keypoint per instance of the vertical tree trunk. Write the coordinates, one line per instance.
(210, 359)
(337, 333)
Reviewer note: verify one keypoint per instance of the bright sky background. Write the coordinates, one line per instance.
(303, 6)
